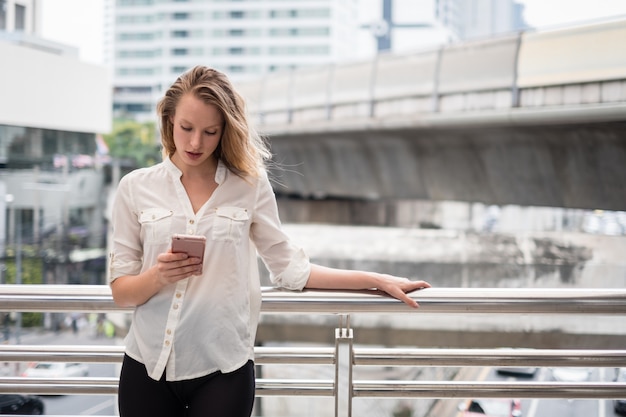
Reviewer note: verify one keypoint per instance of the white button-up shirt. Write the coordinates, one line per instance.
(203, 323)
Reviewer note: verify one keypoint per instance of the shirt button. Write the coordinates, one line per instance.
(167, 343)
(191, 221)
(175, 307)
(169, 331)
(178, 295)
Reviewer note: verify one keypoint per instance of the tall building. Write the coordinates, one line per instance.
(52, 106)
(411, 25)
(401, 25)
(471, 19)
(150, 42)
(153, 41)
(17, 16)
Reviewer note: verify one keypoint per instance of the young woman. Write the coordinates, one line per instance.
(189, 351)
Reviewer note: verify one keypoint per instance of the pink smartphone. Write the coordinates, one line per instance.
(192, 245)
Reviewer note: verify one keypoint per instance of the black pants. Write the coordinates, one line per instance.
(214, 395)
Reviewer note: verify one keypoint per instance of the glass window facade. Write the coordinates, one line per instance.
(3, 15)
(20, 17)
(25, 147)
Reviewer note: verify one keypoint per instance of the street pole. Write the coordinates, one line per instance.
(18, 268)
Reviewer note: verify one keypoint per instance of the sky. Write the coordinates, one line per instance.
(86, 31)
(79, 23)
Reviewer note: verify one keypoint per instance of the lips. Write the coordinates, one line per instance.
(193, 155)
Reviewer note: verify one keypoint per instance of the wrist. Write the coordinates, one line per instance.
(155, 279)
(374, 279)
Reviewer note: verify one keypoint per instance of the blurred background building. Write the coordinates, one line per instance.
(480, 18)
(54, 165)
(152, 42)
(405, 25)
(56, 170)
(52, 108)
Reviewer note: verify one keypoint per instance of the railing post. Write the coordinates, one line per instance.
(343, 367)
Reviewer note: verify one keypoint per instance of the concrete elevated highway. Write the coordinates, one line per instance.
(535, 118)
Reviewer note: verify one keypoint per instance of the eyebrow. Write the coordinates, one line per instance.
(215, 126)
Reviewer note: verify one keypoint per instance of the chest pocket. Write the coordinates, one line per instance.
(156, 224)
(229, 223)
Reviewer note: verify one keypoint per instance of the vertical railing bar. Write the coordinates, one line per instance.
(344, 360)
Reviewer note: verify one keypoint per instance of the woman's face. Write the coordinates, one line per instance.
(198, 129)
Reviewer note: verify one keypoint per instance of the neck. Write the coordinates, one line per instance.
(208, 168)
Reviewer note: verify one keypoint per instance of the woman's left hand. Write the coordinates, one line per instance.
(399, 287)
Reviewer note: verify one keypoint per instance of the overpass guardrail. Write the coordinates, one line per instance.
(344, 356)
(544, 76)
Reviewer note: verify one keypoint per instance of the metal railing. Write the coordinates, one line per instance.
(344, 356)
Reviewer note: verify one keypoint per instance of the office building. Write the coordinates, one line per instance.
(150, 42)
(52, 106)
(155, 41)
(472, 19)
(413, 25)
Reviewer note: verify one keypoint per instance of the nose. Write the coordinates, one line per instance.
(196, 139)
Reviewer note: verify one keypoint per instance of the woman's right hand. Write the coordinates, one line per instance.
(172, 267)
(135, 290)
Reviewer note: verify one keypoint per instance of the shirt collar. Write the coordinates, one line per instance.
(173, 169)
(220, 173)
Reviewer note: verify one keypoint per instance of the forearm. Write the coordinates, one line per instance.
(342, 279)
(322, 277)
(135, 290)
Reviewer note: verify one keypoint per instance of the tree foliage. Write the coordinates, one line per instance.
(32, 273)
(134, 140)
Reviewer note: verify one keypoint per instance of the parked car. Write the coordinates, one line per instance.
(525, 372)
(620, 405)
(522, 371)
(571, 374)
(56, 370)
(496, 407)
(21, 404)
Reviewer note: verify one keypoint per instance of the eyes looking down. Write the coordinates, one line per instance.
(197, 126)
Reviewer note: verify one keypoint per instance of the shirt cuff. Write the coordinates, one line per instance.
(296, 275)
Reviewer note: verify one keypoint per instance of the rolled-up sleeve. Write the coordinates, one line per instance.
(296, 275)
(288, 264)
(125, 257)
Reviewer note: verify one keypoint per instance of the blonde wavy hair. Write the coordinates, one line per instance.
(240, 148)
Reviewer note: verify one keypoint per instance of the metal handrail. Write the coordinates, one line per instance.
(58, 386)
(490, 357)
(488, 389)
(71, 298)
(109, 385)
(115, 354)
(361, 357)
(361, 388)
(62, 353)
